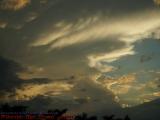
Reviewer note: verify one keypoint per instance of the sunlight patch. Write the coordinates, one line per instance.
(13, 4)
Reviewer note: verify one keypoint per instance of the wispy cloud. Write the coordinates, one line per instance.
(128, 30)
(13, 4)
(95, 61)
(99, 28)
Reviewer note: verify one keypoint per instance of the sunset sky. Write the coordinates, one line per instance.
(87, 55)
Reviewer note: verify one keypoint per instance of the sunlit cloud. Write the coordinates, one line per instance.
(126, 88)
(95, 61)
(31, 16)
(157, 94)
(157, 2)
(51, 89)
(63, 32)
(13, 4)
(119, 85)
(147, 97)
(99, 28)
(128, 30)
(3, 24)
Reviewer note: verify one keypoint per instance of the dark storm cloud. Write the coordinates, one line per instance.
(9, 79)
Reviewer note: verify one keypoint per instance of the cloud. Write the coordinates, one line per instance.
(9, 78)
(99, 28)
(30, 91)
(31, 17)
(97, 42)
(145, 74)
(44, 103)
(8, 70)
(82, 100)
(13, 4)
(3, 24)
(84, 95)
(96, 61)
(157, 2)
(119, 85)
(32, 72)
(157, 94)
(15, 88)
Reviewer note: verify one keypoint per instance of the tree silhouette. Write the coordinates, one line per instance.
(17, 108)
(118, 119)
(112, 118)
(56, 113)
(106, 117)
(84, 116)
(127, 118)
(92, 118)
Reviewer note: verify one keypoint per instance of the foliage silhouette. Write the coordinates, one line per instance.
(17, 108)
(108, 117)
(112, 118)
(84, 116)
(127, 118)
(58, 114)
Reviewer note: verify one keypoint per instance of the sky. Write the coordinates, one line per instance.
(90, 55)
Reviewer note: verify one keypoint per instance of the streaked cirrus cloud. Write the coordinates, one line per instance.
(96, 28)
